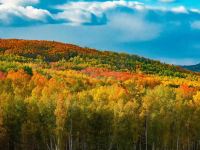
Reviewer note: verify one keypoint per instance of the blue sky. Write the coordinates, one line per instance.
(167, 30)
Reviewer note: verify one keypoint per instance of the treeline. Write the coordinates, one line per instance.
(85, 57)
(68, 110)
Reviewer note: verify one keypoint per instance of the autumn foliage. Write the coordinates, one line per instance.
(56, 96)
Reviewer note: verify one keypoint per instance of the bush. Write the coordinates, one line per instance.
(28, 70)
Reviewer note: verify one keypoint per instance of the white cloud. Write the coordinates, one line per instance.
(194, 10)
(34, 13)
(23, 9)
(81, 12)
(78, 11)
(99, 7)
(19, 2)
(9, 12)
(75, 17)
(179, 9)
(167, 1)
(130, 27)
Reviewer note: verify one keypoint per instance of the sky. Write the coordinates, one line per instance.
(165, 30)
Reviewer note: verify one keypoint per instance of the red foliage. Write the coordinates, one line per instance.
(2, 75)
(102, 72)
(141, 79)
(187, 91)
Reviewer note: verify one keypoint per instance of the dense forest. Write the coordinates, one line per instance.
(56, 96)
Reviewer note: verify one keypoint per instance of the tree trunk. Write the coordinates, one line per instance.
(146, 134)
(177, 143)
(188, 143)
(71, 137)
(153, 146)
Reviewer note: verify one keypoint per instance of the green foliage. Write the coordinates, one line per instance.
(28, 70)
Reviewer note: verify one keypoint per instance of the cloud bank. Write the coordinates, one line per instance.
(21, 13)
(29, 12)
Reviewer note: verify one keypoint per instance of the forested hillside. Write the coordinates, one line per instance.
(195, 68)
(56, 96)
(85, 57)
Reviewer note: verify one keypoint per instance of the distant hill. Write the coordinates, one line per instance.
(50, 51)
(195, 68)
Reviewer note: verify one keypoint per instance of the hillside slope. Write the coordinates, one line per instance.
(81, 58)
(195, 68)
(93, 100)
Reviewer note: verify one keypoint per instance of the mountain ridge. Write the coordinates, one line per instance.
(52, 51)
(194, 68)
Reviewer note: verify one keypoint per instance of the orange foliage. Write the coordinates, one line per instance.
(186, 91)
(144, 80)
(39, 80)
(34, 48)
(19, 75)
(149, 82)
(102, 72)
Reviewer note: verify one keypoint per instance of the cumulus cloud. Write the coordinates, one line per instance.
(84, 12)
(99, 7)
(128, 26)
(179, 9)
(167, 1)
(194, 10)
(19, 2)
(75, 17)
(76, 13)
(12, 10)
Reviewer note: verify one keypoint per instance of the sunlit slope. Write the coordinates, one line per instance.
(50, 51)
